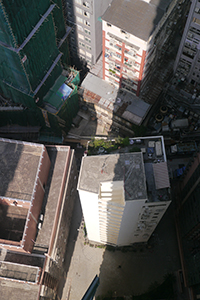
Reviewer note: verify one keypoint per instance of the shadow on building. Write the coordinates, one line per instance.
(11, 226)
(129, 271)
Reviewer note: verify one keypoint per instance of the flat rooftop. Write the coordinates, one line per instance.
(58, 156)
(127, 167)
(136, 17)
(16, 290)
(16, 161)
(109, 97)
(57, 95)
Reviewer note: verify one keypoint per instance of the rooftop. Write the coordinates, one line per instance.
(57, 95)
(150, 150)
(16, 161)
(137, 17)
(16, 290)
(58, 157)
(129, 106)
(20, 272)
(126, 167)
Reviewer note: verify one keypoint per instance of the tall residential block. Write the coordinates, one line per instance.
(124, 195)
(86, 35)
(187, 64)
(136, 35)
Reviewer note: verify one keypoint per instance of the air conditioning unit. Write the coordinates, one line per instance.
(112, 43)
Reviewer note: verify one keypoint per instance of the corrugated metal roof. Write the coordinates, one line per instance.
(136, 17)
(161, 175)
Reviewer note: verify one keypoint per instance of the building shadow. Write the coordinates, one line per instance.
(85, 124)
(129, 271)
(12, 218)
(76, 222)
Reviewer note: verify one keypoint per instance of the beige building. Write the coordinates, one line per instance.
(37, 193)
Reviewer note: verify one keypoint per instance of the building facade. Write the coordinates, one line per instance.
(136, 36)
(86, 35)
(37, 195)
(188, 210)
(124, 195)
(187, 64)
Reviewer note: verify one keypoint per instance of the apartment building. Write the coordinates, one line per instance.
(37, 194)
(136, 36)
(86, 35)
(187, 64)
(125, 195)
(187, 212)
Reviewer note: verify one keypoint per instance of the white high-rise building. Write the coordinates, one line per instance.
(124, 195)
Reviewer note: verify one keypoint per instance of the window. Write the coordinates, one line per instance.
(81, 51)
(86, 4)
(87, 39)
(88, 47)
(80, 36)
(72, 39)
(197, 21)
(79, 10)
(88, 54)
(86, 23)
(78, 2)
(86, 14)
(78, 19)
(69, 14)
(81, 44)
(80, 28)
(197, 10)
(69, 5)
(118, 48)
(87, 31)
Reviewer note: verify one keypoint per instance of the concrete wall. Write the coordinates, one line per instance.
(36, 203)
(129, 222)
(89, 203)
(139, 220)
(99, 9)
